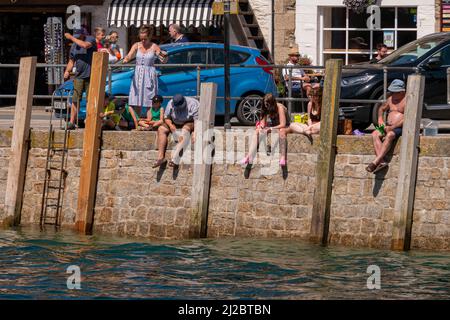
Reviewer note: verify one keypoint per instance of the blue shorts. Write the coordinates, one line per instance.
(398, 132)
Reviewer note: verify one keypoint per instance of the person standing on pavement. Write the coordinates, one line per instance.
(144, 85)
(100, 35)
(176, 35)
(80, 57)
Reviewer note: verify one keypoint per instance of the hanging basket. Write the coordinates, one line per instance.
(358, 6)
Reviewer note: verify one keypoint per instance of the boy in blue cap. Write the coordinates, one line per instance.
(392, 129)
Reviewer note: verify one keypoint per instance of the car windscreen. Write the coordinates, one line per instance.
(411, 52)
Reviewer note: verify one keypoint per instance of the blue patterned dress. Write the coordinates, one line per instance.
(145, 82)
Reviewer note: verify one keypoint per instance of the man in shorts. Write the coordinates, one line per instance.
(382, 141)
(180, 113)
(80, 56)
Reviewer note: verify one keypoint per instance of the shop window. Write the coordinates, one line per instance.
(345, 33)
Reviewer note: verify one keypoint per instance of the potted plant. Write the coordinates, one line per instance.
(358, 6)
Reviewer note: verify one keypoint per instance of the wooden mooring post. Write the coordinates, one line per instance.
(327, 152)
(91, 144)
(203, 149)
(19, 142)
(408, 159)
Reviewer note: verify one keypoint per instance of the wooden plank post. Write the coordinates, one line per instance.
(203, 149)
(91, 144)
(327, 152)
(408, 159)
(20, 142)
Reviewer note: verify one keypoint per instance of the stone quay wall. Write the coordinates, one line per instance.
(135, 200)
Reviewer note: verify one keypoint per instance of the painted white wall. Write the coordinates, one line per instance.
(307, 33)
(262, 10)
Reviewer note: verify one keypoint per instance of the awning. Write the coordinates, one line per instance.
(162, 12)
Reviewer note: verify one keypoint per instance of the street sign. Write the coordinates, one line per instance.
(219, 7)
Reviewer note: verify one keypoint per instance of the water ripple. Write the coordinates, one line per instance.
(33, 266)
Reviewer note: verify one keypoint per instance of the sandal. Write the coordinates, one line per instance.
(380, 167)
(371, 167)
(172, 164)
(159, 163)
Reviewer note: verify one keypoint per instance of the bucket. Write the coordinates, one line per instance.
(430, 128)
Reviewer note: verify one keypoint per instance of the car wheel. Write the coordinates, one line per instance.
(249, 109)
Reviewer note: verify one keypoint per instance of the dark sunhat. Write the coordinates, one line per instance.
(179, 102)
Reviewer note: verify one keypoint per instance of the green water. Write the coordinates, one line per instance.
(33, 265)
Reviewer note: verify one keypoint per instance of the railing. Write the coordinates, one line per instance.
(289, 99)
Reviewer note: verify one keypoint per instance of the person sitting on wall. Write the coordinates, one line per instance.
(181, 112)
(110, 119)
(274, 117)
(155, 115)
(129, 118)
(386, 133)
(314, 110)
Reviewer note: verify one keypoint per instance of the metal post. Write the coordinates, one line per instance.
(109, 81)
(385, 84)
(290, 91)
(227, 124)
(448, 85)
(198, 82)
(273, 31)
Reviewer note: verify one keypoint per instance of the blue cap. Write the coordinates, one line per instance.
(397, 86)
(179, 102)
(80, 32)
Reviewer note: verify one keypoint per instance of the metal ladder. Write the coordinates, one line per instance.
(55, 172)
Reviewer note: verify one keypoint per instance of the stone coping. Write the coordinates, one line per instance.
(436, 146)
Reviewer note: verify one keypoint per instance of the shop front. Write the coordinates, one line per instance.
(34, 28)
(195, 17)
(327, 29)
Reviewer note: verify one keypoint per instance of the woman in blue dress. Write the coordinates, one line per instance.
(145, 82)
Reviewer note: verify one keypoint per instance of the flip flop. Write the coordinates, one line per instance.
(371, 167)
(159, 163)
(380, 167)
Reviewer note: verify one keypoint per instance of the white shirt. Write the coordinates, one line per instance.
(296, 73)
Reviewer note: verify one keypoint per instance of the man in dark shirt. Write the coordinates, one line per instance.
(80, 56)
(382, 52)
(176, 35)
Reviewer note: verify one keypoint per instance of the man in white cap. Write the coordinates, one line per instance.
(387, 132)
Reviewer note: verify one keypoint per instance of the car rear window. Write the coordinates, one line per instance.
(236, 57)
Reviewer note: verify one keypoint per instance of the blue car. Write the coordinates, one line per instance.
(247, 84)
